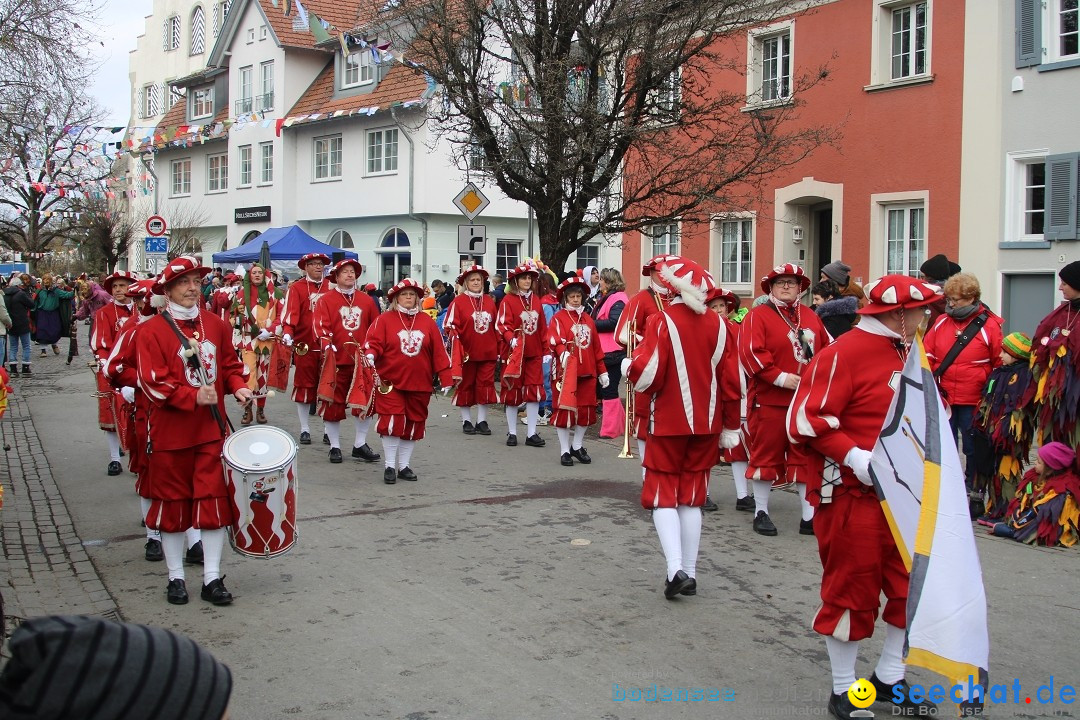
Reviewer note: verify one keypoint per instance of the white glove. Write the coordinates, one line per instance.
(859, 461)
(513, 343)
(287, 339)
(730, 439)
(371, 360)
(446, 389)
(563, 357)
(604, 380)
(128, 393)
(264, 334)
(625, 366)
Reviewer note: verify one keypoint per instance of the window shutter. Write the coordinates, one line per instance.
(159, 92)
(198, 31)
(166, 33)
(1028, 33)
(1061, 193)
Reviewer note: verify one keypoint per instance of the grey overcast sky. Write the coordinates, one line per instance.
(121, 22)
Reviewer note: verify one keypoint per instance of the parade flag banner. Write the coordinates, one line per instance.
(920, 484)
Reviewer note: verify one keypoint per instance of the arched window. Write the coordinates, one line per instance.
(341, 240)
(250, 236)
(198, 31)
(395, 261)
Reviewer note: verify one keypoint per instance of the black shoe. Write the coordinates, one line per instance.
(305, 438)
(691, 589)
(763, 525)
(154, 553)
(535, 440)
(567, 460)
(406, 473)
(389, 476)
(365, 453)
(482, 428)
(325, 439)
(840, 707)
(13, 371)
(467, 428)
(176, 592)
(806, 527)
(194, 554)
(216, 593)
(511, 440)
(581, 455)
(115, 468)
(313, 408)
(906, 706)
(709, 505)
(26, 370)
(745, 503)
(677, 584)
(335, 455)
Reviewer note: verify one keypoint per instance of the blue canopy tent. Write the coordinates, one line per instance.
(287, 245)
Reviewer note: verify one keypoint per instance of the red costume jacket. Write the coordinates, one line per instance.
(471, 321)
(408, 351)
(521, 320)
(638, 310)
(341, 319)
(767, 347)
(687, 366)
(298, 319)
(176, 421)
(577, 334)
(107, 323)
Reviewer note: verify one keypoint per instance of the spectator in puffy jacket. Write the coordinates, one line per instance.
(18, 304)
(963, 379)
(837, 312)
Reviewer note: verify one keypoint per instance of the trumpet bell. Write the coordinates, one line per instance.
(301, 348)
(385, 388)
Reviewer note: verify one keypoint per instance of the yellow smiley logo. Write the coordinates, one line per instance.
(862, 693)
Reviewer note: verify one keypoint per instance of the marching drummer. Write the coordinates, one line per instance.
(107, 323)
(258, 309)
(186, 482)
(407, 351)
(578, 361)
(468, 325)
(341, 321)
(523, 328)
(298, 329)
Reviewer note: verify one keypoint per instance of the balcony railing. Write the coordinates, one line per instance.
(259, 103)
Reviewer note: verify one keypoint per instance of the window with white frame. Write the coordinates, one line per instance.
(243, 100)
(198, 31)
(175, 94)
(905, 239)
(327, 157)
(180, 172)
(664, 239)
(263, 33)
(170, 33)
(901, 42)
(266, 98)
(217, 172)
(382, 149)
(221, 9)
(588, 255)
(666, 100)
(1026, 197)
(266, 163)
(477, 156)
(250, 35)
(507, 256)
(146, 177)
(202, 102)
(341, 239)
(244, 165)
(359, 69)
(769, 63)
(151, 100)
(1065, 28)
(736, 250)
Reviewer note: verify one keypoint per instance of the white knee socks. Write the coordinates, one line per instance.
(738, 472)
(564, 439)
(333, 431)
(511, 419)
(466, 415)
(405, 449)
(144, 505)
(807, 508)
(213, 541)
(842, 657)
(362, 427)
(890, 668)
(390, 450)
(532, 414)
(114, 446)
(192, 536)
(762, 488)
(172, 544)
(481, 413)
(579, 436)
(302, 412)
(666, 521)
(690, 535)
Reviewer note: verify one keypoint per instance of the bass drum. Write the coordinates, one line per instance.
(261, 473)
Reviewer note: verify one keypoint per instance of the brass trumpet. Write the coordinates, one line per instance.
(301, 348)
(628, 423)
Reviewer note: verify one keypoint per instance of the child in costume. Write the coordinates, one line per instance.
(1045, 509)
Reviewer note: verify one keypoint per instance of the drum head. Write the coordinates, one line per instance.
(256, 449)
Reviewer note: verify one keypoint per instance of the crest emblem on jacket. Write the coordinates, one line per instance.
(582, 335)
(208, 356)
(481, 320)
(411, 341)
(350, 317)
(312, 299)
(528, 321)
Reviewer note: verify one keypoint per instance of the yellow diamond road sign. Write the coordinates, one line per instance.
(470, 201)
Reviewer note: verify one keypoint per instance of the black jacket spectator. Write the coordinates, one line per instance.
(19, 305)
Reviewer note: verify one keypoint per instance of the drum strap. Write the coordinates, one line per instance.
(200, 372)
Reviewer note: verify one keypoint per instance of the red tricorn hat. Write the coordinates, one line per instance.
(790, 269)
(730, 299)
(648, 268)
(342, 263)
(469, 271)
(313, 256)
(406, 284)
(571, 282)
(685, 278)
(118, 275)
(898, 291)
(179, 267)
(522, 269)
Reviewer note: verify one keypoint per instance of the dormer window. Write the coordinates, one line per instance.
(358, 70)
(202, 103)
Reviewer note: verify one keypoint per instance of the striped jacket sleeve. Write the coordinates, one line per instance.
(814, 414)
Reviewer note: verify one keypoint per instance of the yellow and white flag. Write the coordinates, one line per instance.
(920, 483)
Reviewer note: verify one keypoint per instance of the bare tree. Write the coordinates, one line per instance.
(186, 221)
(107, 232)
(603, 117)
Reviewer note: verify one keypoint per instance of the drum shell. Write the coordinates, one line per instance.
(263, 495)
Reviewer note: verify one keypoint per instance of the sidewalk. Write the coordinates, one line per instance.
(44, 568)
